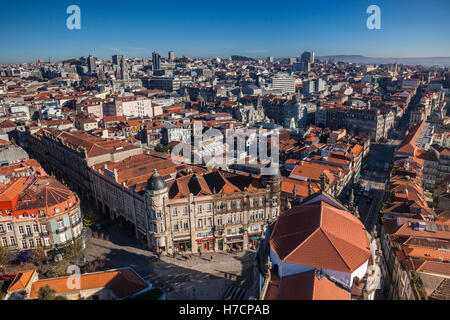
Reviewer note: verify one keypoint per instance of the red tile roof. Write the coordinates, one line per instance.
(322, 236)
(310, 286)
(123, 282)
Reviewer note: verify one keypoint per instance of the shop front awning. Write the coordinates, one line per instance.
(205, 239)
(181, 239)
(233, 239)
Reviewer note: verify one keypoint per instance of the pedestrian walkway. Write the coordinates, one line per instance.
(188, 276)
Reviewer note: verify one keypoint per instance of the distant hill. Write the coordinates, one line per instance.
(426, 62)
(241, 58)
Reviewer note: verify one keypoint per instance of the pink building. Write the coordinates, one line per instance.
(134, 106)
(91, 106)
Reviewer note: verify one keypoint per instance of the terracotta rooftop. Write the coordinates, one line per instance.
(123, 282)
(310, 286)
(409, 144)
(321, 235)
(21, 281)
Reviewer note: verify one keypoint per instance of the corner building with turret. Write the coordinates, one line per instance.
(177, 208)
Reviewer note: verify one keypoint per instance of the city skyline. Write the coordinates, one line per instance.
(223, 151)
(38, 31)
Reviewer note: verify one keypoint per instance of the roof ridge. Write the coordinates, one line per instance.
(334, 247)
(301, 244)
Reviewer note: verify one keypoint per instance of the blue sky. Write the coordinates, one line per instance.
(37, 29)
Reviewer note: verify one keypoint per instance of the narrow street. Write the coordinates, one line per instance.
(376, 176)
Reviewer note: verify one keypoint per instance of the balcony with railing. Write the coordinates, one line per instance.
(61, 230)
(76, 223)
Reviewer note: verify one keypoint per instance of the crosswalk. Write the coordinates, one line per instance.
(234, 293)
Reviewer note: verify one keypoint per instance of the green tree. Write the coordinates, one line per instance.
(46, 293)
(165, 149)
(90, 218)
(74, 251)
(4, 257)
(37, 255)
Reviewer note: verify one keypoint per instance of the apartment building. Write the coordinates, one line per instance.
(417, 259)
(284, 83)
(133, 106)
(86, 122)
(70, 154)
(91, 106)
(332, 168)
(181, 208)
(374, 123)
(36, 210)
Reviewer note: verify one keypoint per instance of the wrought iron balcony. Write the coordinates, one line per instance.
(61, 230)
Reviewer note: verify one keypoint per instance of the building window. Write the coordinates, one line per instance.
(238, 204)
(252, 217)
(229, 205)
(63, 237)
(186, 225)
(44, 228)
(47, 242)
(31, 242)
(2, 228)
(5, 242)
(199, 209)
(21, 231)
(230, 219)
(184, 211)
(209, 207)
(60, 224)
(175, 212)
(24, 244)
(9, 227)
(36, 228)
(175, 227)
(28, 230)
(274, 212)
(200, 223)
(209, 224)
(261, 201)
(12, 240)
(38, 243)
(219, 221)
(252, 202)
